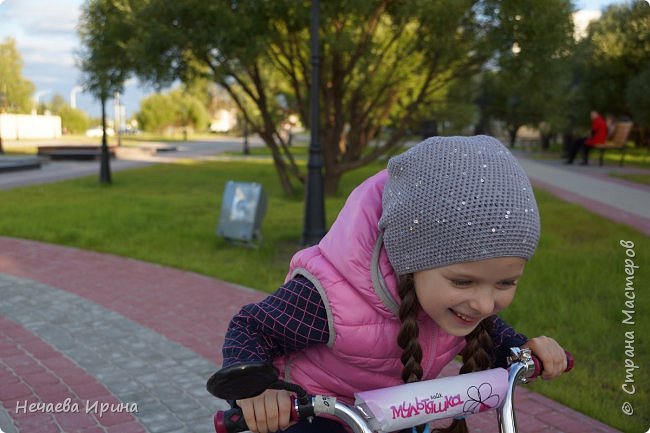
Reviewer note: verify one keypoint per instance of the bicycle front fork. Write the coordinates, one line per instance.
(521, 367)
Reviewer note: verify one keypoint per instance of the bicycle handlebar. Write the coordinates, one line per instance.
(232, 420)
(539, 368)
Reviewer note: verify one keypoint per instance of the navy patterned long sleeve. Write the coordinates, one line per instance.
(291, 319)
(504, 337)
(295, 318)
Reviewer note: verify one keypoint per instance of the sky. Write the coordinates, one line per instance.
(45, 34)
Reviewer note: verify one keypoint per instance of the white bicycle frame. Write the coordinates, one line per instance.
(376, 411)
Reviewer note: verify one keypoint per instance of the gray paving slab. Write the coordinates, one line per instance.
(635, 201)
(6, 424)
(164, 379)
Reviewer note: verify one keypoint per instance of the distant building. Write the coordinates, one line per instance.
(223, 121)
(27, 126)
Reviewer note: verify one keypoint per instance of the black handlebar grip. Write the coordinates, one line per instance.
(539, 367)
(230, 421)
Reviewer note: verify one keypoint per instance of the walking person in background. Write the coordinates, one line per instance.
(598, 136)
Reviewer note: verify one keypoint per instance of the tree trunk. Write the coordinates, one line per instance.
(283, 175)
(331, 182)
(105, 165)
(546, 141)
(567, 143)
(279, 163)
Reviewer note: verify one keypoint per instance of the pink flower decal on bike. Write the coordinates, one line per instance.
(480, 398)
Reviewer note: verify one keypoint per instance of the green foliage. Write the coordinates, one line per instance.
(156, 113)
(189, 110)
(57, 103)
(617, 61)
(531, 78)
(173, 109)
(104, 28)
(636, 96)
(15, 90)
(73, 121)
(383, 65)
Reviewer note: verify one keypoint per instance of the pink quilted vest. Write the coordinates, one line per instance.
(351, 271)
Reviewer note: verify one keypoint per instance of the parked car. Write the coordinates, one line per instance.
(97, 132)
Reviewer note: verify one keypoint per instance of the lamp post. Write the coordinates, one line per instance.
(37, 96)
(314, 228)
(105, 158)
(117, 117)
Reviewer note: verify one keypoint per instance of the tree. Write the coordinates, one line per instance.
(382, 64)
(103, 28)
(57, 103)
(190, 111)
(177, 108)
(618, 58)
(156, 113)
(638, 89)
(73, 121)
(15, 90)
(530, 77)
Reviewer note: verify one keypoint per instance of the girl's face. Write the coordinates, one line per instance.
(457, 297)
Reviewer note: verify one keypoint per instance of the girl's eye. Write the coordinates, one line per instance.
(461, 283)
(509, 283)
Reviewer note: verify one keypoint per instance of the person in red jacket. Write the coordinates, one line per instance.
(598, 137)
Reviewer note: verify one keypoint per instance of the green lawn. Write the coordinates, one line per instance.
(573, 290)
(643, 179)
(637, 158)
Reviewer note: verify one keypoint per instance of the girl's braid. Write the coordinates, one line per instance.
(477, 354)
(407, 338)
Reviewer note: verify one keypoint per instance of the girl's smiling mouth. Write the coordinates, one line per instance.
(464, 318)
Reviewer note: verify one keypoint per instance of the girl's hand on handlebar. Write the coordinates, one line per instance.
(550, 353)
(267, 412)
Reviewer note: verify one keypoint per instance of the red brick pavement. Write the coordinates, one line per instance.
(194, 310)
(32, 373)
(185, 307)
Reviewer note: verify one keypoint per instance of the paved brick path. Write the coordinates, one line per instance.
(98, 331)
(592, 188)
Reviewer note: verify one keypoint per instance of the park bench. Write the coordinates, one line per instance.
(15, 163)
(73, 152)
(616, 141)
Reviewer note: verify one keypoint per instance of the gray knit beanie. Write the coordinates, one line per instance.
(457, 199)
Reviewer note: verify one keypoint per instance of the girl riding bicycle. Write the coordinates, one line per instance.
(413, 271)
